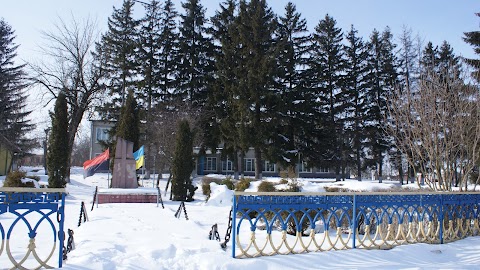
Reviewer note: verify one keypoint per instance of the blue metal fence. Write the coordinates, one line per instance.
(32, 212)
(285, 223)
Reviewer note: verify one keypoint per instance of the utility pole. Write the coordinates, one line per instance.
(45, 148)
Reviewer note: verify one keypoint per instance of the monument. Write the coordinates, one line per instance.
(124, 175)
(124, 187)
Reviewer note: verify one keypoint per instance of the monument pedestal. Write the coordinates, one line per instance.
(122, 195)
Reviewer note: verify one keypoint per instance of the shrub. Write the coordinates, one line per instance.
(266, 186)
(289, 177)
(206, 185)
(229, 183)
(243, 184)
(335, 189)
(283, 181)
(14, 179)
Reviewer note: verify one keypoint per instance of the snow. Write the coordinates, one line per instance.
(144, 236)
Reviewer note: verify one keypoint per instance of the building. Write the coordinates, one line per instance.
(99, 131)
(7, 153)
(213, 163)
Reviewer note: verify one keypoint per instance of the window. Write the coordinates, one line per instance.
(304, 168)
(102, 134)
(211, 164)
(249, 164)
(323, 169)
(268, 167)
(227, 166)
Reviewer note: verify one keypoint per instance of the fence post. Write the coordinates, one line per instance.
(234, 225)
(354, 220)
(60, 231)
(440, 217)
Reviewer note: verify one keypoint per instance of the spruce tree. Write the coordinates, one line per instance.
(325, 74)
(148, 58)
(128, 126)
(168, 55)
(183, 164)
(224, 129)
(355, 107)
(58, 153)
(256, 25)
(429, 60)
(292, 123)
(382, 80)
(473, 38)
(448, 63)
(118, 48)
(14, 125)
(148, 55)
(195, 65)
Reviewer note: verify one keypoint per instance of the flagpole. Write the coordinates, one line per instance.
(108, 177)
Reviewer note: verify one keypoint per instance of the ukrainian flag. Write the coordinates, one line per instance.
(139, 157)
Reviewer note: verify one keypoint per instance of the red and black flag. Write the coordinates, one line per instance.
(99, 163)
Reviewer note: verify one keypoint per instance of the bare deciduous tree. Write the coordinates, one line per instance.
(70, 67)
(438, 127)
(164, 122)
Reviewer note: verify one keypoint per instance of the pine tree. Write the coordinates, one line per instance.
(355, 88)
(292, 110)
(325, 75)
(183, 164)
(118, 48)
(57, 156)
(256, 25)
(14, 125)
(473, 38)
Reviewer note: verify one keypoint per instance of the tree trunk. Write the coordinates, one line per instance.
(258, 163)
(359, 166)
(235, 166)
(168, 183)
(242, 166)
(337, 172)
(380, 170)
(400, 173)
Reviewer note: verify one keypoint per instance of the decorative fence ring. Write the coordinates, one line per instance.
(290, 223)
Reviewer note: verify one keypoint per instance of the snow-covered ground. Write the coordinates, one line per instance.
(144, 236)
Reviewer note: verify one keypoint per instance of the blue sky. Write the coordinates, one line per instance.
(432, 20)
